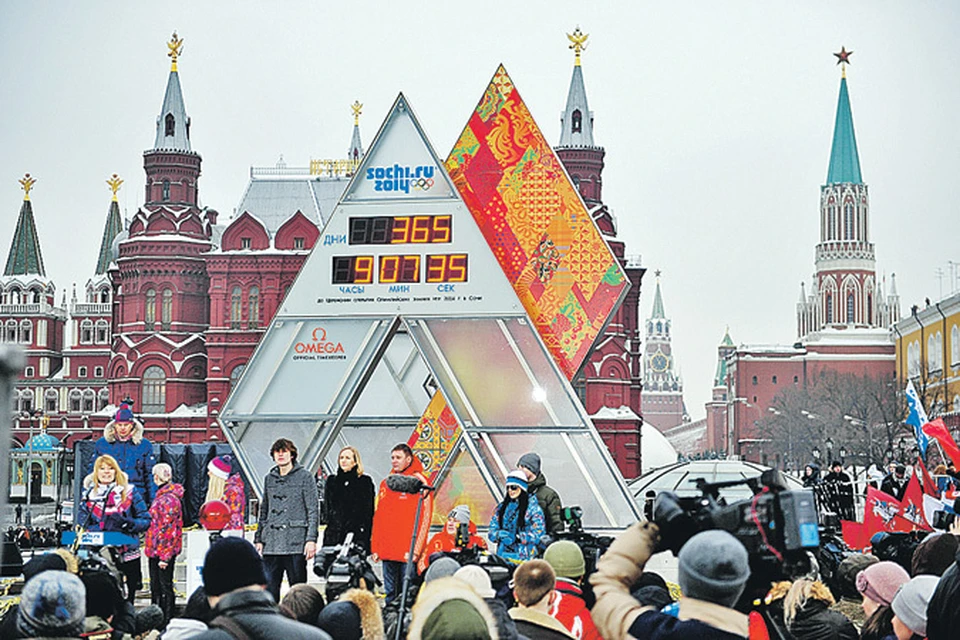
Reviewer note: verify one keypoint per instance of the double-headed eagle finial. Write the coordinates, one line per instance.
(175, 46)
(26, 182)
(357, 109)
(578, 42)
(114, 183)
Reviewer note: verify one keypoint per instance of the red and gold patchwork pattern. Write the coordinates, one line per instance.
(538, 227)
(435, 436)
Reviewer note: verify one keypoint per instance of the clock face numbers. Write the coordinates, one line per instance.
(400, 269)
(401, 230)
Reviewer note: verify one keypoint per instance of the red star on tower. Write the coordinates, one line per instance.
(844, 56)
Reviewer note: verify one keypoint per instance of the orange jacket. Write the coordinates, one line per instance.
(443, 541)
(394, 517)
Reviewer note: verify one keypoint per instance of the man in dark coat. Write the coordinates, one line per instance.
(943, 614)
(234, 581)
(548, 499)
(287, 533)
(895, 483)
(123, 441)
(840, 491)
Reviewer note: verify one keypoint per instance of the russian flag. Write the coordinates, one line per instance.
(917, 418)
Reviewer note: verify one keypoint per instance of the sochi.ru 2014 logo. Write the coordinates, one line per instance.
(319, 348)
(400, 178)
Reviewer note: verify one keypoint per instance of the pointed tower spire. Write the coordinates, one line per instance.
(658, 312)
(844, 159)
(355, 152)
(111, 229)
(576, 121)
(25, 257)
(173, 125)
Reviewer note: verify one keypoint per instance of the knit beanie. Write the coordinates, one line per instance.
(455, 619)
(52, 604)
(477, 578)
(934, 555)
(848, 571)
(341, 620)
(713, 566)
(910, 603)
(880, 581)
(124, 414)
(530, 461)
(220, 467)
(41, 563)
(566, 558)
(441, 568)
(231, 563)
(461, 513)
(517, 478)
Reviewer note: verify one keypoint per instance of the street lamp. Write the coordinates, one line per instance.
(902, 447)
(829, 444)
(816, 453)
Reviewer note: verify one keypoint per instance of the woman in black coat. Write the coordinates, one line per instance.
(348, 502)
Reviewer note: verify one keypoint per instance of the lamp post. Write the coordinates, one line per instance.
(902, 448)
(816, 453)
(829, 445)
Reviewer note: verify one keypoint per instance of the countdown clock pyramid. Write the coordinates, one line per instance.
(402, 314)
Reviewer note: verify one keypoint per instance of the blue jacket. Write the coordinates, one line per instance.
(517, 541)
(114, 512)
(135, 457)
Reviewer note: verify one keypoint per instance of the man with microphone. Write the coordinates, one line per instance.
(396, 515)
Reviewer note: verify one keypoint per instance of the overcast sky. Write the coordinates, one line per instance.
(716, 117)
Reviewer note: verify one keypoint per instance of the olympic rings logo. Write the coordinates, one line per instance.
(422, 184)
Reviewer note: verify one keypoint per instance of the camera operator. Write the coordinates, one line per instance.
(458, 533)
(569, 606)
(713, 572)
(111, 503)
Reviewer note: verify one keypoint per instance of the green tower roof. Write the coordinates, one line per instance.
(844, 160)
(24, 257)
(658, 311)
(111, 230)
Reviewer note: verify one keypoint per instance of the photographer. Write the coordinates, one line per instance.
(111, 503)
(713, 570)
(451, 538)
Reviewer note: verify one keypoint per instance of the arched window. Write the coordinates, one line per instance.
(828, 315)
(26, 332)
(956, 403)
(235, 375)
(15, 296)
(869, 309)
(851, 308)
(86, 331)
(932, 354)
(89, 399)
(831, 222)
(102, 332)
(236, 307)
(104, 295)
(75, 398)
(26, 401)
(153, 394)
(50, 401)
(576, 121)
(848, 221)
(955, 346)
(150, 312)
(166, 309)
(165, 193)
(253, 319)
(169, 125)
(103, 398)
(11, 332)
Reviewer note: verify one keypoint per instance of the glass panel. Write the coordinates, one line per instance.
(374, 444)
(553, 388)
(492, 386)
(611, 492)
(397, 385)
(251, 443)
(464, 485)
(306, 367)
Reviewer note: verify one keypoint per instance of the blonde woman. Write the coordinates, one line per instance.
(348, 501)
(111, 503)
(223, 484)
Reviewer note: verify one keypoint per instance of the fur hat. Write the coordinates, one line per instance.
(713, 566)
(220, 467)
(53, 603)
(530, 461)
(518, 479)
(449, 608)
(231, 563)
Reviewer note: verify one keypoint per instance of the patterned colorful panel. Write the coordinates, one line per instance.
(464, 485)
(435, 435)
(538, 227)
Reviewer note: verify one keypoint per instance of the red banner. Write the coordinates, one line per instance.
(938, 430)
(929, 486)
(911, 507)
(882, 512)
(855, 535)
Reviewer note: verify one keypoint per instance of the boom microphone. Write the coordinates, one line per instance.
(407, 484)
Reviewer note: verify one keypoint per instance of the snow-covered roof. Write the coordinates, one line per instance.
(273, 199)
(655, 450)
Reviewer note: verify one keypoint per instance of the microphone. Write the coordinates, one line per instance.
(406, 484)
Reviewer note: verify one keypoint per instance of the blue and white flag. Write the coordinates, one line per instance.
(917, 418)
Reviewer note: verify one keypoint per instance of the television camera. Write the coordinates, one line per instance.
(592, 546)
(344, 567)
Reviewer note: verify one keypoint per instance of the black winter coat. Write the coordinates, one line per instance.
(816, 622)
(259, 618)
(348, 507)
(943, 614)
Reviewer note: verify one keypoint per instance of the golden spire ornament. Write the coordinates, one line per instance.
(26, 183)
(578, 42)
(357, 109)
(175, 46)
(114, 183)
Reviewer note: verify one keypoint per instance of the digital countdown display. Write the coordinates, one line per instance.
(399, 268)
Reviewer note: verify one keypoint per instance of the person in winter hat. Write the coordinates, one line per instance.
(227, 486)
(910, 607)
(448, 609)
(479, 580)
(943, 614)
(235, 581)
(193, 621)
(164, 538)
(934, 555)
(52, 605)
(445, 540)
(807, 614)
(517, 525)
(355, 615)
(123, 441)
(442, 568)
(348, 499)
(288, 528)
(878, 584)
(713, 572)
(394, 519)
(569, 605)
(547, 498)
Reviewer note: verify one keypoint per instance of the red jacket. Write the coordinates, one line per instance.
(569, 608)
(393, 519)
(164, 538)
(443, 541)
